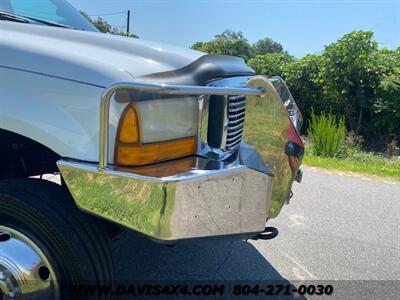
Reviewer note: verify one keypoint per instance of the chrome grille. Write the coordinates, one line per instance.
(236, 114)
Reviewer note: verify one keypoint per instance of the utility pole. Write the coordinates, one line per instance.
(128, 21)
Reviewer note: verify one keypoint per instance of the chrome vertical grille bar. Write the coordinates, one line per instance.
(236, 115)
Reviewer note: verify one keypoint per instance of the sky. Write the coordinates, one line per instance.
(302, 27)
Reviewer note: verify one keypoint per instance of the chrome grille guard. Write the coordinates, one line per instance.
(159, 89)
(240, 194)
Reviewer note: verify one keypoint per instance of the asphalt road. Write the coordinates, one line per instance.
(337, 227)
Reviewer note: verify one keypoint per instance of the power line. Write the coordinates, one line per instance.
(108, 14)
(128, 18)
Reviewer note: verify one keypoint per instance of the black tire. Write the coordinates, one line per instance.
(76, 246)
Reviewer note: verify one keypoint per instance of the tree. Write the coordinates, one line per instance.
(265, 46)
(387, 103)
(350, 75)
(303, 79)
(105, 27)
(388, 62)
(272, 64)
(226, 43)
(102, 25)
(387, 106)
(124, 33)
(234, 43)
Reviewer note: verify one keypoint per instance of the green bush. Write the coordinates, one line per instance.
(353, 76)
(326, 134)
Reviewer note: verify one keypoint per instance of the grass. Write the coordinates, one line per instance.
(326, 133)
(264, 133)
(359, 162)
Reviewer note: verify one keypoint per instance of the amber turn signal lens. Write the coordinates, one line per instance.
(129, 126)
(137, 155)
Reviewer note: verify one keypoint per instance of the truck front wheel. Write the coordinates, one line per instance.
(49, 249)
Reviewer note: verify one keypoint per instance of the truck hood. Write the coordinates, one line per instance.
(90, 57)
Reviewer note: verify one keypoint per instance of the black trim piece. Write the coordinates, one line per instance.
(216, 121)
(202, 71)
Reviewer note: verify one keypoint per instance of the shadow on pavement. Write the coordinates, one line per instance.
(138, 259)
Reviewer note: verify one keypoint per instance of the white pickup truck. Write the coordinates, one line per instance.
(146, 137)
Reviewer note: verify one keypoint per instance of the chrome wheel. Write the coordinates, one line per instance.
(25, 271)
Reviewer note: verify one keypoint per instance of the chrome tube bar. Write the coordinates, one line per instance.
(159, 89)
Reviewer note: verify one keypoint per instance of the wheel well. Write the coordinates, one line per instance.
(23, 157)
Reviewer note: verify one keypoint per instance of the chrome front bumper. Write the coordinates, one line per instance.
(205, 199)
(194, 197)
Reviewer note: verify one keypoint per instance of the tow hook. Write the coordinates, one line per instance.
(268, 234)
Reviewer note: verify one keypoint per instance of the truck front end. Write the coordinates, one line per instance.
(172, 143)
(177, 166)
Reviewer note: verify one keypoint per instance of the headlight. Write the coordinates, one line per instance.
(167, 119)
(288, 101)
(294, 113)
(157, 130)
